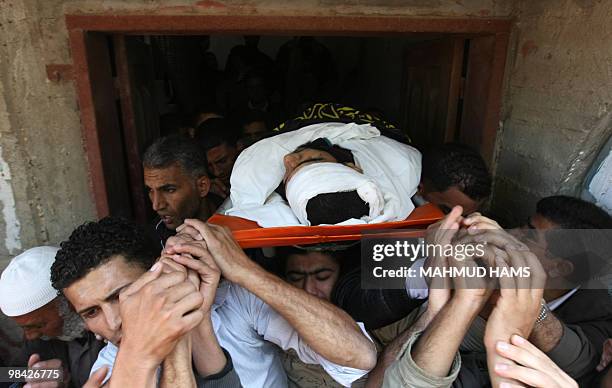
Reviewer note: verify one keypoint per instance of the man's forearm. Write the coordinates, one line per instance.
(547, 334)
(128, 370)
(435, 350)
(207, 354)
(386, 358)
(328, 331)
(176, 368)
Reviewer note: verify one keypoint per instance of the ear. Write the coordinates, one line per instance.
(203, 185)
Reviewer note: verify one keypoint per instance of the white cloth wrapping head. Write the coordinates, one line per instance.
(322, 178)
(394, 167)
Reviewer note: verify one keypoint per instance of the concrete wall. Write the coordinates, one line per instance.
(558, 106)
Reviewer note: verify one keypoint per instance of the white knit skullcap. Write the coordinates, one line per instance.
(25, 285)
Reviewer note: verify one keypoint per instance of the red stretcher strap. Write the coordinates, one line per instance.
(250, 235)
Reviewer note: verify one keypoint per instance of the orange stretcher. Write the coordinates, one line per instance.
(250, 235)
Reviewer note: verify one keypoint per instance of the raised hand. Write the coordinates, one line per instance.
(222, 247)
(606, 355)
(35, 362)
(163, 303)
(96, 380)
(441, 233)
(533, 368)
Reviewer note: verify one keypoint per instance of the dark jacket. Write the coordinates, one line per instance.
(587, 316)
(77, 355)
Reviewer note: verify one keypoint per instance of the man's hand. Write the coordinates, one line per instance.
(35, 362)
(169, 266)
(517, 308)
(520, 298)
(606, 355)
(476, 222)
(441, 233)
(234, 264)
(96, 380)
(534, 368)
(197, 258)
(165, 304)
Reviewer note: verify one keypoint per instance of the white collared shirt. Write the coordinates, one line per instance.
(252, 332)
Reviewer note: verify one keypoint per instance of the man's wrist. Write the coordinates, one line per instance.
(466, 304)
(133, 367)
(246, 273)
(132, 355)
(205, 328)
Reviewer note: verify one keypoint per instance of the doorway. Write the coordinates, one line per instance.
(438, 80)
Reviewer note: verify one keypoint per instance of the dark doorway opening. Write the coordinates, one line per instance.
(437, 80)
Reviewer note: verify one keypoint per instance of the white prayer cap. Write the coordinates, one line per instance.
(322, 178)
(25, 285)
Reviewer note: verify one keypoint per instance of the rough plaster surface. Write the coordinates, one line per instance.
(558, 105)
(41, 137)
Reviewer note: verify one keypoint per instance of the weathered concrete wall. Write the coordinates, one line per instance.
(558, 106)
(44, 189)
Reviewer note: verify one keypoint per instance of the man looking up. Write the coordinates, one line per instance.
(177, 181)
(454, 175)
(55, 336)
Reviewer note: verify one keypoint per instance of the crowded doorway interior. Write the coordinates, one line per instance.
(413, 82)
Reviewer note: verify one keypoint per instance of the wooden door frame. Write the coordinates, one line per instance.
(91, 92)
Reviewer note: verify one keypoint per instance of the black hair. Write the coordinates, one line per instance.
(573, 213)
(215, 132)
(341, 256)
(586, 250)
(95, 243)
(333, 208)
(342, 155)
(454, 164)
(176, 149)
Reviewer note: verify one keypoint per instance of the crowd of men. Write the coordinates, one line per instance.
(119, 306)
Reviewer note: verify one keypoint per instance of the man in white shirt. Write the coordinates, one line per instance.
(256, 310)
(248, 314)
